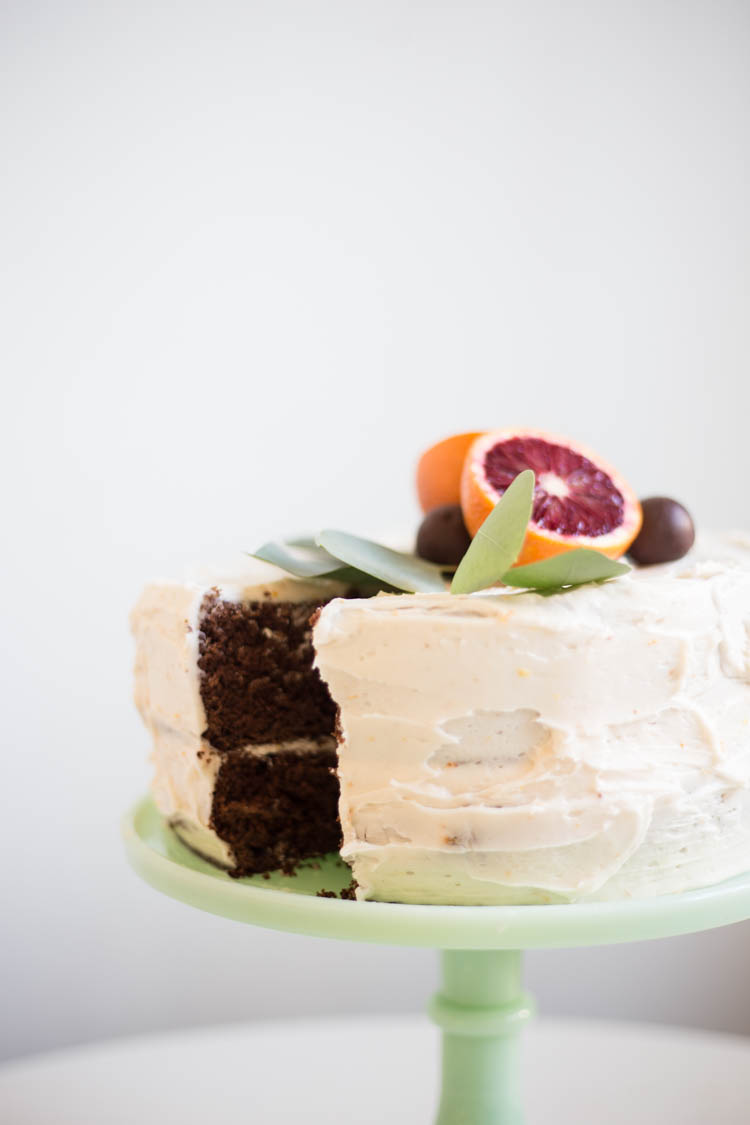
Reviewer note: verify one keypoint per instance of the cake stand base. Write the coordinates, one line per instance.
(481, 1010)
(481, 1007)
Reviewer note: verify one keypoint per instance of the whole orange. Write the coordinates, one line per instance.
(439, 471)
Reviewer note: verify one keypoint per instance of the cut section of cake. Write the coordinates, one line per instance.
(506, 747)
(242, 726)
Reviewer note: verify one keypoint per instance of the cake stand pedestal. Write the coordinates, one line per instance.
(481, 1006)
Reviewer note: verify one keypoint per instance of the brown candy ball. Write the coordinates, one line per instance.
(442, 537)
(667, 533)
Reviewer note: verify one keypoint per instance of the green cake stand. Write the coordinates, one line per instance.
(481, 1007)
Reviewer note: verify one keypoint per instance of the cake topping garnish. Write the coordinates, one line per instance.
(404, 572)
(667, 533)
(544, 512)
(361, 562)
(499, 542)
(579, 500)
(490, 558)
(442, 537)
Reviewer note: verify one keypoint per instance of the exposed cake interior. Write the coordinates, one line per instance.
(277, 809)
(257, 681)
(271, 719)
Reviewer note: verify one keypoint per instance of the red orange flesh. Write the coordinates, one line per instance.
(579, 499)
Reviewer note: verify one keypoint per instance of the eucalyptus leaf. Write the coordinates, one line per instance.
(571, 568)
(303, 558)
(303, 541)
(497, 544)
(366, 584)
(404, 572)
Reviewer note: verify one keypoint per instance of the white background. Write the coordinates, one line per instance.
(254, 258)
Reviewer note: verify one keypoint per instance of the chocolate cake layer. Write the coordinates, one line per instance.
(276, 809)
(257, 682)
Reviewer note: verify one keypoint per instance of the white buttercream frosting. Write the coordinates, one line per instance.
(165, 623)
(509, 747)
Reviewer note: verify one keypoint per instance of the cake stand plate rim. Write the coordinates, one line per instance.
(165, 864)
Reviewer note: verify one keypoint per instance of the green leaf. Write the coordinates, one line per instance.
(303, 558)
(572, 568)
(348, 574)
(404, 572)
(303, 541)
(497, 544)
(366, 584)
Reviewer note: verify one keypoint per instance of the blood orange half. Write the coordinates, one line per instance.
(579, 500)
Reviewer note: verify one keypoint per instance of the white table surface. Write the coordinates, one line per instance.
(375, 1070)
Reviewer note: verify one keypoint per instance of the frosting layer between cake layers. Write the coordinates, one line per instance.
(506, 747)
(166, 623)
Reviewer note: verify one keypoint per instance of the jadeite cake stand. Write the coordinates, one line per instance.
(481, 1007)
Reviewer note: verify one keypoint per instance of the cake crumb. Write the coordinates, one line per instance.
(347, 893)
